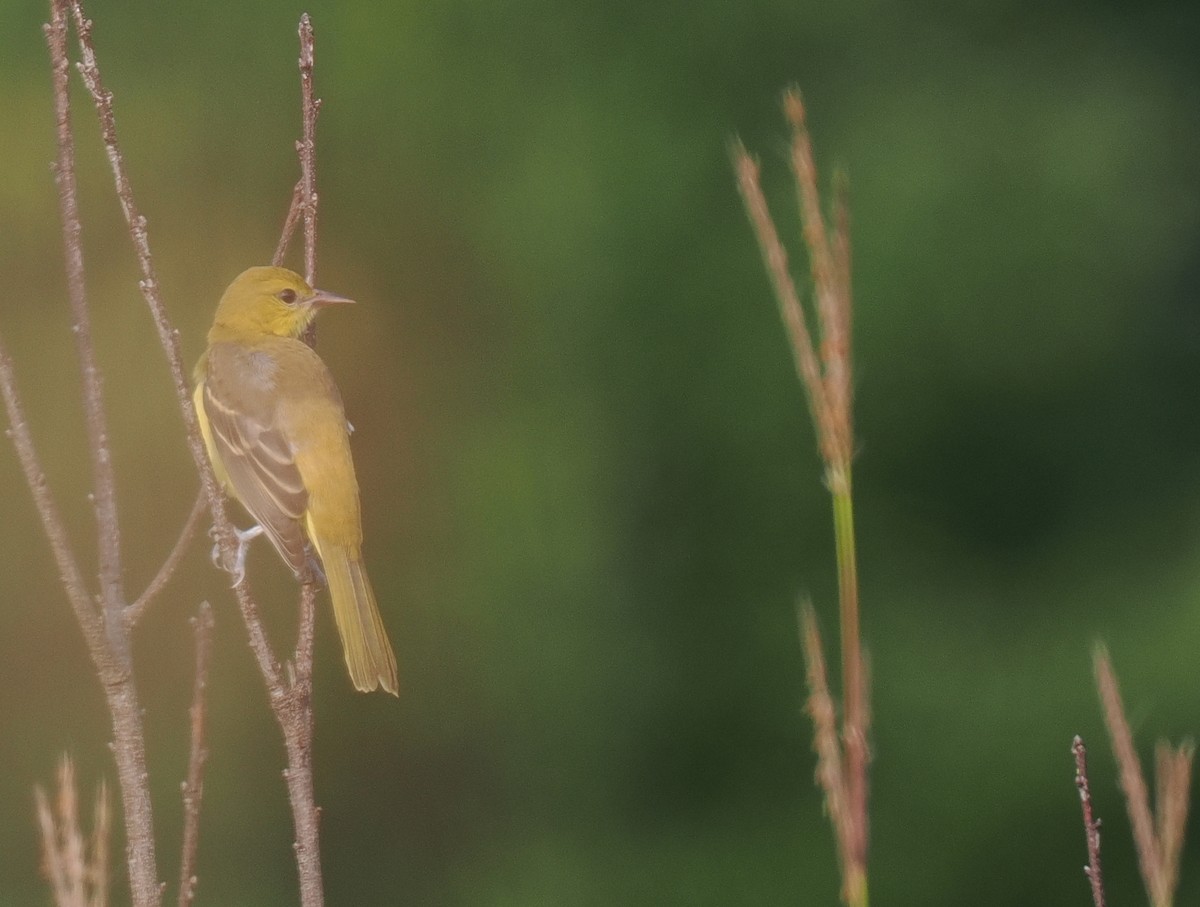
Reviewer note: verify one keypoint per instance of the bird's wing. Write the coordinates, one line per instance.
(243, 413)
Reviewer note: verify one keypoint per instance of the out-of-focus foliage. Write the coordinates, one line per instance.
(590, 490)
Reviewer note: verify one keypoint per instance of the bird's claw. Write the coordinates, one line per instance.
(238, 568)
(313, 567)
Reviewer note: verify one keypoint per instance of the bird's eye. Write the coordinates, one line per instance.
(287, 296)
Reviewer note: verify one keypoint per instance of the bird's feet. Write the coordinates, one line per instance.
(312, 567)
(238, 568)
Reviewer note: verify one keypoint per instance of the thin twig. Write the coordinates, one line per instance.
(193, 787)
(1091, 824)
(112, 655)
(297, 720)
(311, 106)
(289, 224)
(169, 566)
(104, 485)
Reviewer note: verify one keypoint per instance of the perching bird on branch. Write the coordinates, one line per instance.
(278, 439)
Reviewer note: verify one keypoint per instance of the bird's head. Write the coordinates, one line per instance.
(270, 301)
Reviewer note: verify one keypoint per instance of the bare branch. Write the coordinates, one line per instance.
(171, 564)
(289, 224)
(311, 106)
(103, 482)
(193, 787)
(296, 719)
(1091, 824)
(109, 645)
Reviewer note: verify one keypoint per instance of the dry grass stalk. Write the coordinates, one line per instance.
(830, 773)
(1158, 834)
(77, 871)
(826, 374)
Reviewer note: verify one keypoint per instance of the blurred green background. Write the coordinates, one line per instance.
(591, 493)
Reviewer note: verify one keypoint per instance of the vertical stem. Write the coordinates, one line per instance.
(112, 657)
(305, 813)
(854, 689)
(193, 787)
(295, 716)
(129, 750)
(843, 527)
(103, 483)
(1091, 824)
(310, 105)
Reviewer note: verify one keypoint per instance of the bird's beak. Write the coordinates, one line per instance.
(321, 298)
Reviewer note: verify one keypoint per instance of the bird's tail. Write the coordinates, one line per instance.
(368, 653)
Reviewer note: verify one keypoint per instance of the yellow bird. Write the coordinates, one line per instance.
(278, 439)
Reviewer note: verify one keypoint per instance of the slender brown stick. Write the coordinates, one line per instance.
(104, 487)
(298, 728)
(296, 721)
(289, 224)
(311, 106)
(1091, 824)
(112, 655)
(193, 787)
(169, 566)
